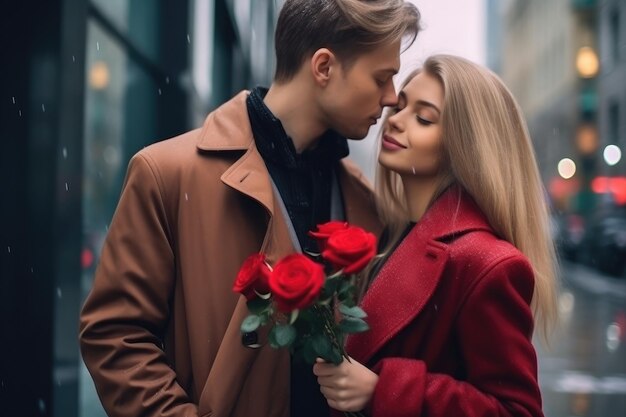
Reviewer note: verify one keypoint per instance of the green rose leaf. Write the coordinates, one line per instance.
(250, 323)
(335, 356)
(356, 312)
(321, 346)
(331, 286)
(352, 325)
(283, 335)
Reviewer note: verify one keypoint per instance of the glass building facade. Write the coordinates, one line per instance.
(86, 84)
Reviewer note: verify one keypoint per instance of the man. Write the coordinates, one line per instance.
(160, 328)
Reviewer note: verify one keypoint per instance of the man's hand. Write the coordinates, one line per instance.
(348, 386)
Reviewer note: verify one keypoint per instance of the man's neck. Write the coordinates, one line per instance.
(292, 104)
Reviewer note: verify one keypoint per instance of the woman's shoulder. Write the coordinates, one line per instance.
(482, 251)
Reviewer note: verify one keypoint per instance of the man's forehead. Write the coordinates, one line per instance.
(384, 58)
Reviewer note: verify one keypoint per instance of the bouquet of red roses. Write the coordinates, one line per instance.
(310, 312)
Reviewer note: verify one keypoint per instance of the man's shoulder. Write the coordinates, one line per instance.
(170, 153)
(224, 129)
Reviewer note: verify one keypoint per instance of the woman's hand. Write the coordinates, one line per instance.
(348, 386)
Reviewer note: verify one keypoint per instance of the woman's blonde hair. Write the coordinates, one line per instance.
(488, 152)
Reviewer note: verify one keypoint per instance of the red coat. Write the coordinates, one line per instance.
(450, 322)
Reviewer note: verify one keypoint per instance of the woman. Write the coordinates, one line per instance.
(470, 266)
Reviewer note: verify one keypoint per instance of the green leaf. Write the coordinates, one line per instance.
(250, 323)
(331, 285)
(322, 346)
(258, 305)
(347, 294)
(345, 287)
(335, 356)
(284, 335)
(353, 325)
(356, 312)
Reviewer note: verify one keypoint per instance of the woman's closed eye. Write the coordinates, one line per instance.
(423, 121)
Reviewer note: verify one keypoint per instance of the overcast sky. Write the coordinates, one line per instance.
(449, 26)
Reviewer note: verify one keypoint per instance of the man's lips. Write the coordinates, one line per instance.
(375, 118)
(391, 143)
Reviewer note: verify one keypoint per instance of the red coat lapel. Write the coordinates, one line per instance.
(402, 288)
(410, 276)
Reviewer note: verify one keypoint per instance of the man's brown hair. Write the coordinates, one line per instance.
(348, 28)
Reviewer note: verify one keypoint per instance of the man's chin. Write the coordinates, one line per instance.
(358, 134)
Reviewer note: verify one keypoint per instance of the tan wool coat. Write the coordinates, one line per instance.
(159, 331)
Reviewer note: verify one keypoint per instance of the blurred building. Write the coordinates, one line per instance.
(612, 79)
(494, 20)
(85, 84)
(550, 62)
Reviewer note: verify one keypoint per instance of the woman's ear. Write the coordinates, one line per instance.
(323, 64)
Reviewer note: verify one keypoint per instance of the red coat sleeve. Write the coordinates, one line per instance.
(494, 331)
(125, 314)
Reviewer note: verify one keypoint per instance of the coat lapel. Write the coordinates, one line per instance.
(413, 271)
(228, 129)
(399, 293)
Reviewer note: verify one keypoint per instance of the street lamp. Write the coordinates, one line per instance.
(612, 155)
(566, 168)
(587, 62)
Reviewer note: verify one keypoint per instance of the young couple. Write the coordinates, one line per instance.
(468, 267)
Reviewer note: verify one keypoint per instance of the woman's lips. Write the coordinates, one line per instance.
(391, 144)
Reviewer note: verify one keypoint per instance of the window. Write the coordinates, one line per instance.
(614, 33)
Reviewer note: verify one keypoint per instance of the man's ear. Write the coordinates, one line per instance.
(323, 64)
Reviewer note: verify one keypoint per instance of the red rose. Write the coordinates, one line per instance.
(253, 275)
(325, 230)
(350, 249)
(295, 282)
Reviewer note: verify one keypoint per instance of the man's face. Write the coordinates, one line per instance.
(354, 98)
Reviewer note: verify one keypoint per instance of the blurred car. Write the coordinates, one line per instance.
(568, 231)
(603, 245)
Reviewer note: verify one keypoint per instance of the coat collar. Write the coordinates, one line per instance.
(412, 272)
(228, 129)
(454, 213)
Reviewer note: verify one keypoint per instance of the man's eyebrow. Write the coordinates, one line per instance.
(391, 71)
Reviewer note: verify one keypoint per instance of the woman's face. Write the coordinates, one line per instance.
(411, 142)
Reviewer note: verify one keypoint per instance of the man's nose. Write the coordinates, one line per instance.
(389, 98)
